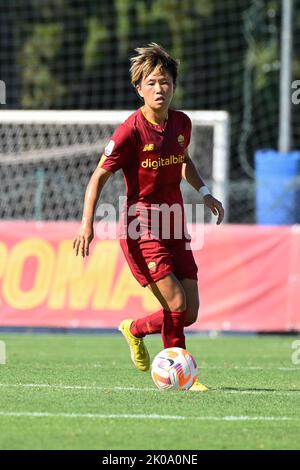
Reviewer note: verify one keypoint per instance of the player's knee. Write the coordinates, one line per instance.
(178, 302)
(192, 314)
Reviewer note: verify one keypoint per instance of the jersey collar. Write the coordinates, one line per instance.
(153, 124)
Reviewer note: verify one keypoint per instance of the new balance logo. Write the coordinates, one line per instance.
(148, 147)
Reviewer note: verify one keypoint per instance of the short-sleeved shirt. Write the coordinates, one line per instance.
(150, 156)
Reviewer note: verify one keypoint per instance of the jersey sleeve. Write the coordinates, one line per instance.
(118, 151)
(187, 132)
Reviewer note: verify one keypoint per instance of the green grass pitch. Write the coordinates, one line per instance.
(82, 392)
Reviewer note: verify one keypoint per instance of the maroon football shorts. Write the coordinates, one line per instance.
(152, 260)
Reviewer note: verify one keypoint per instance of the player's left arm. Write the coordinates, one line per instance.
(191, 175)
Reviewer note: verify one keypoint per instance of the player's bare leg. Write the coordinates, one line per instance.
(172, 298)
(171, 295)
(191, 293)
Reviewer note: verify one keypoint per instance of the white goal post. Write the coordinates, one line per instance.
(35, 137)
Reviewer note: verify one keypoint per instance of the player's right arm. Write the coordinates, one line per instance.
(85, 233)
(116, 156)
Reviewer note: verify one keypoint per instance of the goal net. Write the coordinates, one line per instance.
(47, 158)
(75, 55)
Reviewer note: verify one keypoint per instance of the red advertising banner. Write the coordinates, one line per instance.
(249, 279)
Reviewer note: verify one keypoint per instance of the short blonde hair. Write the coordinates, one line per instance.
(148, 59)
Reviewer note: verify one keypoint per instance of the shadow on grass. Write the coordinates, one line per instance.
(254, 390)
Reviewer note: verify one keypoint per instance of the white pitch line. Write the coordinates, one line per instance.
(146, 389)
(283, 393)
(144, 416)
(294, 369)
(81, 387)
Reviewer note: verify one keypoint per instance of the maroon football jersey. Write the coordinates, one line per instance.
(150, 156)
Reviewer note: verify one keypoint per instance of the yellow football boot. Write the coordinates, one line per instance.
(198, 387)
(139, 353)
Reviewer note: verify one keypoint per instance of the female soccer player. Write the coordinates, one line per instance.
(151, 149)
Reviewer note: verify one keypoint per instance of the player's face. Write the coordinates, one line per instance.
(157, 90)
